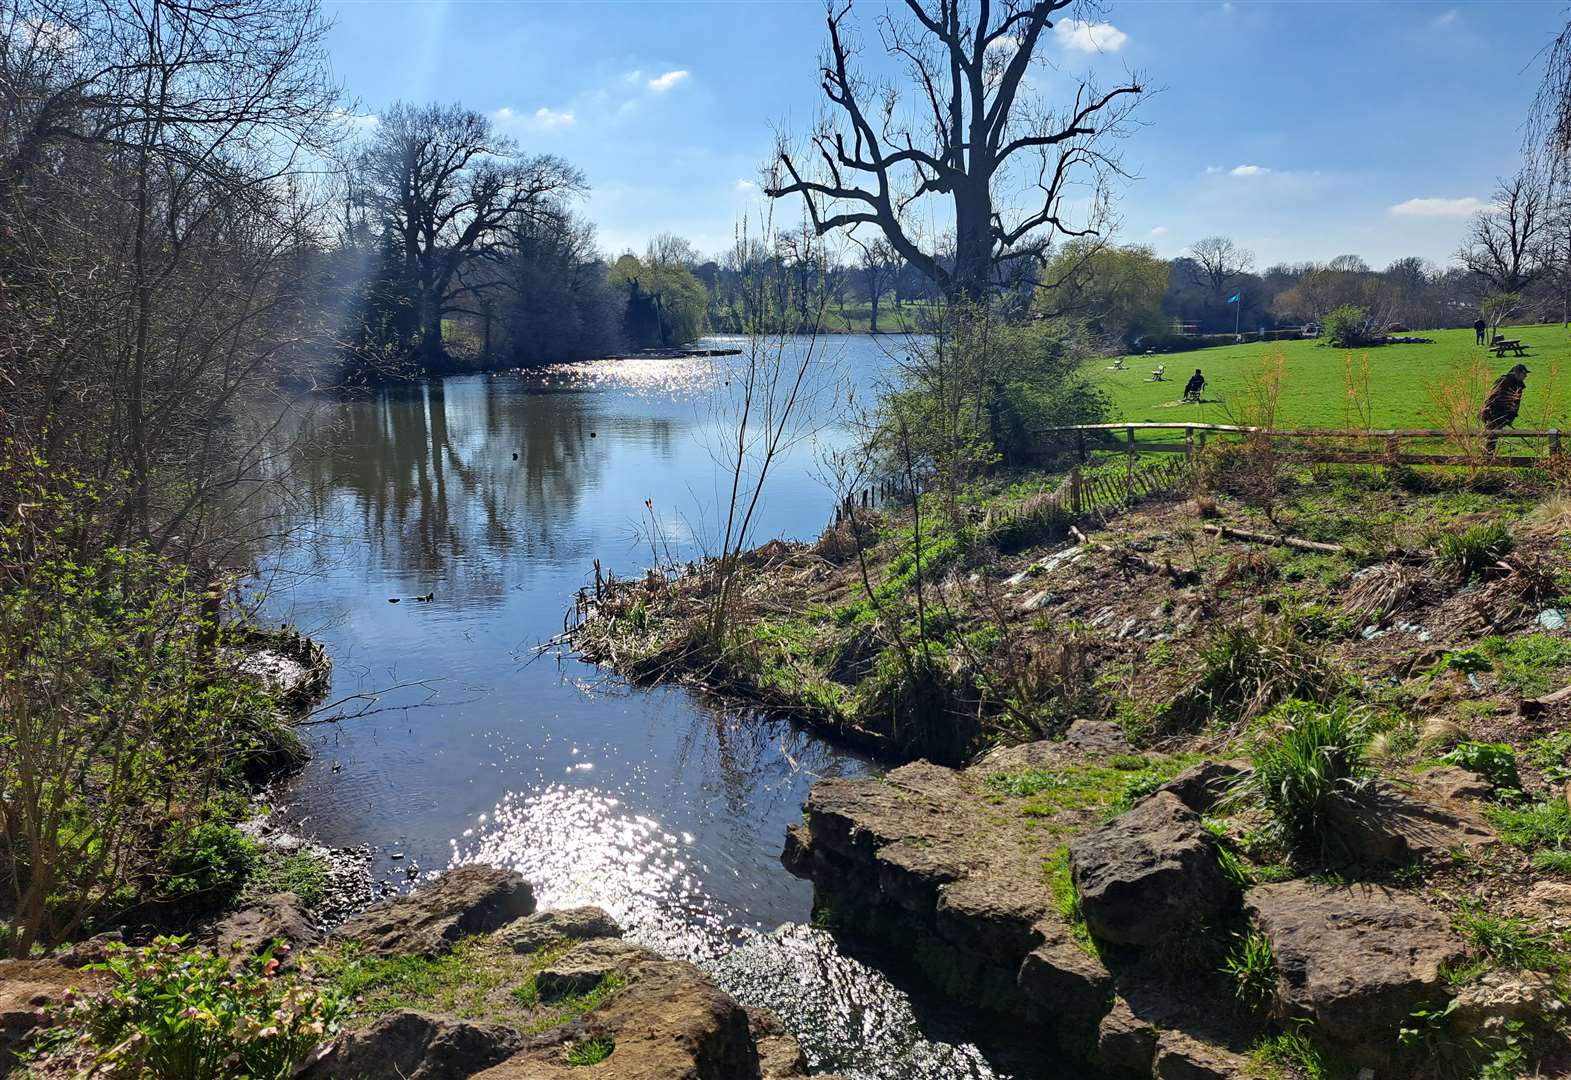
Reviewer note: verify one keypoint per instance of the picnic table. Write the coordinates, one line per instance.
(1500, 346)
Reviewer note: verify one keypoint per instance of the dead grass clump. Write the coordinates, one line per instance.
(1253, 566)
(1440, 734)
(1204, 506)
(840, 540)
(1550, 518)
(1246, 669)
(1381, 591)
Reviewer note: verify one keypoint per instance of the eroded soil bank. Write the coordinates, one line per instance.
(1203, 805)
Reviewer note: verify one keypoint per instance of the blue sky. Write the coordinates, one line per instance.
(1303, 130)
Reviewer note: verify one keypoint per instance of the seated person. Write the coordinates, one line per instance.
(1194, 387)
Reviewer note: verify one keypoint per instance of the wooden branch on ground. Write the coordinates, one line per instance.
(1225, 532)
(1534, 706)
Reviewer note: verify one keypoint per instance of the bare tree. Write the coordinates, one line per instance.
(962, 130)
(1506, 243)
(448, 187)
(879, 263)
(1217, 262)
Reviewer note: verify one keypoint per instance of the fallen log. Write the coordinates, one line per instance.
(1534, 706)
(1226, 532)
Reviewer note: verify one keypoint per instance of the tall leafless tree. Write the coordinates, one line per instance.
(448, 186)
(1216, 262)
(1506, 243)
(961, 128)
(879, 262)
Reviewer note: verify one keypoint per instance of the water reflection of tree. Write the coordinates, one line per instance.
(429, 474)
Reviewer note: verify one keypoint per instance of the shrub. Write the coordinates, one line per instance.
(1248, 668)
(174, 1013)
(1307, 766)
(1348, 327)
(1465, 554)
(210, 862)
(1495, 762)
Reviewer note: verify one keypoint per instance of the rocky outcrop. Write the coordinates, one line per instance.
(280, 918)
(1356, 960)
(668, 1023)
(1148, 873)
(659, 1019)
(1180, 1056)
(416, 1046)
(545, 928)
(1207, 785)
(1502, 998)
(426, 922)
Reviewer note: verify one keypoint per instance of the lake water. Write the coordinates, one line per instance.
(494, 495)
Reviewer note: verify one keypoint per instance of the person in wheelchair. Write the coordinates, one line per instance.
(1195, 386)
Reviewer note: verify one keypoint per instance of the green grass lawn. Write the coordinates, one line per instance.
(891, 320)
(1314, 387)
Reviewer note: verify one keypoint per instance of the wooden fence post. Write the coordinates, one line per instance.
(1393, 447)
(1129, 472)
(1074, 491)
(1554, 442)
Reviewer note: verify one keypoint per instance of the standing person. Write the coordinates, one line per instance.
(1503, 403)
(1478, 329)
(1194, 387)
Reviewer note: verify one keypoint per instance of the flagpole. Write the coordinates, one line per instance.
(1238, 310)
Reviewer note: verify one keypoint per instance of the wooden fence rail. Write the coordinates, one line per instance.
(1382, 447)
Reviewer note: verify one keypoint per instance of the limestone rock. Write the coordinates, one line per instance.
(280, 917)
(535, 932)
(779, 1055)
(1201, 787)
(581, 968)
(415, 1046)
(1183, 1057)
(1093, 738)
(1447, 782)
(853, 817)
(1148, 872)
(1387, 824)
(1124, 1041)
(669, 1022)
(1500, 997)
(95, 950)
(1062, 979)
(1356, 960)
(427, 921)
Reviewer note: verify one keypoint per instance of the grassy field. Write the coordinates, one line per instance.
(891, 320)
(1402, 382)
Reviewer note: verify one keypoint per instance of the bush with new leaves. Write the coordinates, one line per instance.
(178, 1013)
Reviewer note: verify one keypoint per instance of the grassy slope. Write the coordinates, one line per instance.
(1314, 393)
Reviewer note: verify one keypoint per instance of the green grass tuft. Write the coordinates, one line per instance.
(1308, 762)
(1250, 969)
(590, 1051)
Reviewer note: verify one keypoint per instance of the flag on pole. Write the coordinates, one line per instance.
(1234, 298)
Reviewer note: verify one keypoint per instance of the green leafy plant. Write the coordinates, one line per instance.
(212, 860)
(1495, 762)
(1309, 762)
(178, 1013)
(1294, 1052)
(1250, 969)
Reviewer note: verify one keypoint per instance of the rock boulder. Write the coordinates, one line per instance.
(544, 928)
(415, 1046)
(1356, 960)
(1148, 872)
(427, 921)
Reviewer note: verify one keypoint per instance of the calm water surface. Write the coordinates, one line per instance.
(664, 809)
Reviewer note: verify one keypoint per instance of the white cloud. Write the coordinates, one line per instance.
(746, 185)
(1448, 18)
(1249, 170)
(1438, 207)
(503, 115)
(551, 118)
(1089, 37)
(671, 79)
(634, 76)
(1212, 170)
(1160, 230)
(1005, 44)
